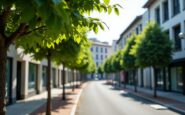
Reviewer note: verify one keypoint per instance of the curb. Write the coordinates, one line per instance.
(76, 103)
(158, 102)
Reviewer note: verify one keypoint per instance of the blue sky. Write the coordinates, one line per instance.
(117, 24)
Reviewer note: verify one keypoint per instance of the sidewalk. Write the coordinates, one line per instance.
(171, 100)
(36, 105)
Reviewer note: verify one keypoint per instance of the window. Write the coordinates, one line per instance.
(105, 50)
(157, 15)
(44, 75)
(177, 78)
(53, 77)
(106, 56)
(32, 75)
(96, 49)
(183, 4)
(137, 31)
(177, 40)
(101, 57)
(176, 7)
(97, 64)
(141, 28)
(96, 57)
(8, 78)
(165, 11)
(92, 49)
(101, 50)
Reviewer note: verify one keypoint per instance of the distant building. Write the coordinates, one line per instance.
(100, 51)
(114, 45)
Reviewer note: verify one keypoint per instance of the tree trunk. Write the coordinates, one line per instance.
(3, 58)
(48, 108)
(125, 75)
(119, 80)
(135, 81)
(63, 83)
(73, 87)
(76, 81)
(155, 83)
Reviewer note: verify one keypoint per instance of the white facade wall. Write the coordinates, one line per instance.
(17, 55)
(173, 21)
(168, 25)
(98, 53)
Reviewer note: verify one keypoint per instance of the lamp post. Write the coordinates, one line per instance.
(182, 35)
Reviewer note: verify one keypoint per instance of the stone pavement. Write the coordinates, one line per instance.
(171, 100)
(36, 105)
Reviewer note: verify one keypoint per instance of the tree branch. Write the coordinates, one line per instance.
(35, 29)
(20, 30)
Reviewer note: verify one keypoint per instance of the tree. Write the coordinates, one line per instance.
(76, 62)
(100, 70)
(129, 60)
(21, 19)
(66, 53)
(51, 53)
(153, 48)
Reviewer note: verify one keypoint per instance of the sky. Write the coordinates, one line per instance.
(117, 24)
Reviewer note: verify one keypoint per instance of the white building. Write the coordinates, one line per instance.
(26, 77)
(170, 15)
(100, 51)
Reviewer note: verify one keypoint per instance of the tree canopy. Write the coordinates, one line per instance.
(128, 59)
(153, 47)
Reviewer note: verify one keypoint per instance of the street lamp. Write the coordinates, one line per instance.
(182, 35)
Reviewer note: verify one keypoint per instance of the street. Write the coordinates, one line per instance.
(101, 99)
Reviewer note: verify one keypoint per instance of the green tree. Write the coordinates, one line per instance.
(129, 60)
(76, 63)
(21, 19)
(153, 48)
(51, 53)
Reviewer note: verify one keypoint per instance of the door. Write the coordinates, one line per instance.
(19, 76)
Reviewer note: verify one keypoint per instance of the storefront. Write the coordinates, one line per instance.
(32, 77)
(177, 76)
(54, 77)
(44, 76)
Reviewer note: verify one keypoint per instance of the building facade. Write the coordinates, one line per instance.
(100, 51)
(26, 77)
(170, 15)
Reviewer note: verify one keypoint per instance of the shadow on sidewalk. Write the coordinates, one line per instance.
(59, 106)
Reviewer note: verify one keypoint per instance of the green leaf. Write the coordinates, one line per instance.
(106, 2)
(116, 11)
(95, 28)
(101, 26)
(109, 10)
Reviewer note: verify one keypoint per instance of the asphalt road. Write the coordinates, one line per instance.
(101, 99)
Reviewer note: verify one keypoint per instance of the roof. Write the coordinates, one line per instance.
(149, 3)
(130, 25)
(100, 44)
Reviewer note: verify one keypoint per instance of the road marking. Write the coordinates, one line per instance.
(124, 92)
(158, 107)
